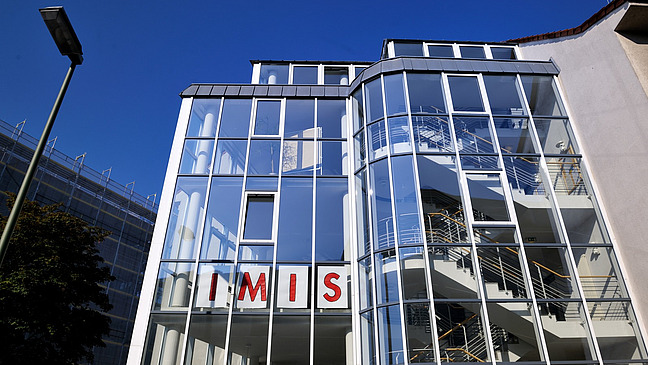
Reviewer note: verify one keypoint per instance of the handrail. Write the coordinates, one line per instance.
(465, 352)
(457, 327)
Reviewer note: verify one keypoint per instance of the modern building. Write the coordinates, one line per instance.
(437, 206)
(100, 201)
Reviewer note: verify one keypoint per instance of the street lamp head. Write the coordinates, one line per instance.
(59, 26)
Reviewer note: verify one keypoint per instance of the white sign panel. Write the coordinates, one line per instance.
(213, 288)
(293, 287)
(332, 287)
(253, 287)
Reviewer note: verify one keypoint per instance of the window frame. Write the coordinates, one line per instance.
(243, 218)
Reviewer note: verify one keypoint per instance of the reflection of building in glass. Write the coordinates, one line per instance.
(100, 201)
(432, 207)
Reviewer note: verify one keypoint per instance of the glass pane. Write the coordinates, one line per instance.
(598, 272)
(165, 339)
(465, 94)
(551, 272)
(420, 344)
(256, 253)
(440, 51)
(377, 140)
(394, 94)
(305, 75)
(366, 280)
(331, 118)
(336, 75)
(332, 332)
(298, 157)
(503, 53)
(360, 151)
(215, 283)
(248, 339)
(542, 96)
(267, 117)
(461, 329)
(453, 275)
(617, 331)
(472, 52)
(300, 119)
(362, 214)
(412, 269)
(514, 331)
(294, 240)
(173, 288)
(204, 117)
(577, 202)
(556, 136)
(390, 336)
(502, 272)
(479, 162)
(399, 135)
(261, 183)
(333, 158)
(386, 277)
(425, 93)
(432, 134)
(402, 49)
(374, 102)
(473, 135)
(367, 347)
(358, 70)
(331, 220)
(221, 226)
(358, 111)
(490, 235)
(487, 197)
(441, 200)
(503, 94)
(264, 157)
(206, 340)
(196, 156)
(562, 319)
(531, 200)
(186, 215)
(514, 135)
(274, 74)
(259, 214)
(235, 121)
(291, 340)
(406, 201)
(230, 157)
(383, 230)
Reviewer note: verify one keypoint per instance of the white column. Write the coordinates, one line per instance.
(348, 343)
(272, 78)
(170, 350)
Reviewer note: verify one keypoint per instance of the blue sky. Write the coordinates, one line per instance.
(122, 105)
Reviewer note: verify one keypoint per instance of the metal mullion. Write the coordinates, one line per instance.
(313, 221)
(241, 224)
(573, 268)
(419, 199)
(394, 226)
(199, 236)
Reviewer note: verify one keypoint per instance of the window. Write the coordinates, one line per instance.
(476, 52)
(503, 53)
(408, 49)
(441, 51)
(259, 214)
(305, 75)
(267, 117)
(465, 94)
(274, 74)
(336, 75)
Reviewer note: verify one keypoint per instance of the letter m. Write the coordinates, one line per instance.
(246, 284)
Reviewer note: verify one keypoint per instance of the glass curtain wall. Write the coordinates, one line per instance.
(479, 237)
(256, 262)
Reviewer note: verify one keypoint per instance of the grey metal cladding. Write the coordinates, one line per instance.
(218, 90)
(331, 91)
(392, 65)
(538, 68)
(232, 90)
(407, 64)
(204, 90)
(449, 65)
(370, 72)
(289, 91)
(523, 68)
(190, 91)
(419, 63)
(493, 66)
(317, 91)
(551, 68)
(343, 91)
(433, 65)
(261, 90)
(303, 91)
(247, 90)
(508, 67)
(479, 66)
(274, 90)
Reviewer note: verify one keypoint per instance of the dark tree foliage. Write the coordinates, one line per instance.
(50, 295)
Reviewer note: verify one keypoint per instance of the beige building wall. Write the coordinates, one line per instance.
(603, 77)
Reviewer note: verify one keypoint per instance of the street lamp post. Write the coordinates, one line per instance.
(68, 44)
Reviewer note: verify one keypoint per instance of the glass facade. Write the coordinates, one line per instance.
(100, 201)
(428, 216)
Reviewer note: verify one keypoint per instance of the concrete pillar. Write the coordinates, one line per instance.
(170, 350)
(272, 78)
(348, 344)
